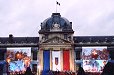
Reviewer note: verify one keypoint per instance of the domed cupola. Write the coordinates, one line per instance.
(56, 23)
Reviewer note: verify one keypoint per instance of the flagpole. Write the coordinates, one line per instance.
(57, 3)
(56, 6)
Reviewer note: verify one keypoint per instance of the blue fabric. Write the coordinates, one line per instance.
(46, 60)
(2, 62)
(44, 72)
(112, 61)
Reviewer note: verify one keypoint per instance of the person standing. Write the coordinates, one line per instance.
(28, 71)
(1, 69)
(80, 70)
(109, 67)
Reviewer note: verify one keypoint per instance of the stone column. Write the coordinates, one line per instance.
(72, 60)
(61, 59)
(51, 58)
(40, 54)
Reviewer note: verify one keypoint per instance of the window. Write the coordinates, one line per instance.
(78, 55)
(46, 36)
(34, 51)
(65, 36)
(34, 55)
(34, 68)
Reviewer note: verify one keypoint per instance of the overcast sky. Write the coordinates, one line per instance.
(89, 17)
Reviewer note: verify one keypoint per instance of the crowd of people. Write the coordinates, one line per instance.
(108, 70)
(50, 72)
(27, 72)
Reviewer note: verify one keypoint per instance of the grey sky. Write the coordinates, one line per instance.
(89, 17)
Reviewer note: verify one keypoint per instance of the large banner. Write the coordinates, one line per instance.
(94, 58)
(56, 60)
(66, 60)
(94, 65)
(18, 59)
(46, 60)
(95, 53)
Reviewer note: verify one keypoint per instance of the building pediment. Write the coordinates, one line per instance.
(56, 40)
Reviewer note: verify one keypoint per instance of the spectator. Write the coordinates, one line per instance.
(1, 69)
(80, 70)
(28, 71)
(109, 67)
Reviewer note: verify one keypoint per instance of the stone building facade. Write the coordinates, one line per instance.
(56, 48)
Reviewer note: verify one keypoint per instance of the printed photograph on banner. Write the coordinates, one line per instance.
(97, 53)
(94, 65)
(18, 59)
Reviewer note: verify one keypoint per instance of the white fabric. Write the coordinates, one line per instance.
(56, 54)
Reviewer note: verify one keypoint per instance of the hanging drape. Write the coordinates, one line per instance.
(56, 60)
(66, 60)
(46, 60)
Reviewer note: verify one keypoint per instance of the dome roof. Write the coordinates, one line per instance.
(56, 18)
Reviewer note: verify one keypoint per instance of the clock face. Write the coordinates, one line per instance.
(56, 25)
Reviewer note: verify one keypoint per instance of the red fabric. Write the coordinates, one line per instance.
(66, 61)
